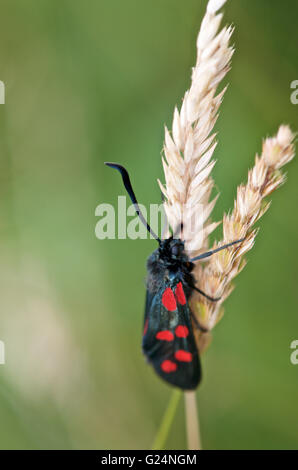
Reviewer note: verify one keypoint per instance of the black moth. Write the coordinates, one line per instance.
(168, 339)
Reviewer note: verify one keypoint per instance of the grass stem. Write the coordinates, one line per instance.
(167, 420)
(192, 421)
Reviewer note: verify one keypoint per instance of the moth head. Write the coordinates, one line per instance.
(172, 250)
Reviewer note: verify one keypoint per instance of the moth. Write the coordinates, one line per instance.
(168, 337)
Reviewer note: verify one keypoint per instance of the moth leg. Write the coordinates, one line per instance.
(212, 299)
(197, 323)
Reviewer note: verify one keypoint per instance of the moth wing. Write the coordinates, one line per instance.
(168, 341)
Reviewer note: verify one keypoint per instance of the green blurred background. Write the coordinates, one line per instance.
(97, 80)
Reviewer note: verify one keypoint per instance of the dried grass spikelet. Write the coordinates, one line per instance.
(216, 276)
(188, 165)
(188, 152)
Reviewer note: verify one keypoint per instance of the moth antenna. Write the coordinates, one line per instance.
(128, 187)
(209, 253)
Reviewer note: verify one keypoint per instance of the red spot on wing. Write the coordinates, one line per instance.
(165, 335)
(168, 300)
(179, 292)
(168, 366)
(146, 326)
(182, 331)
(183, 356)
